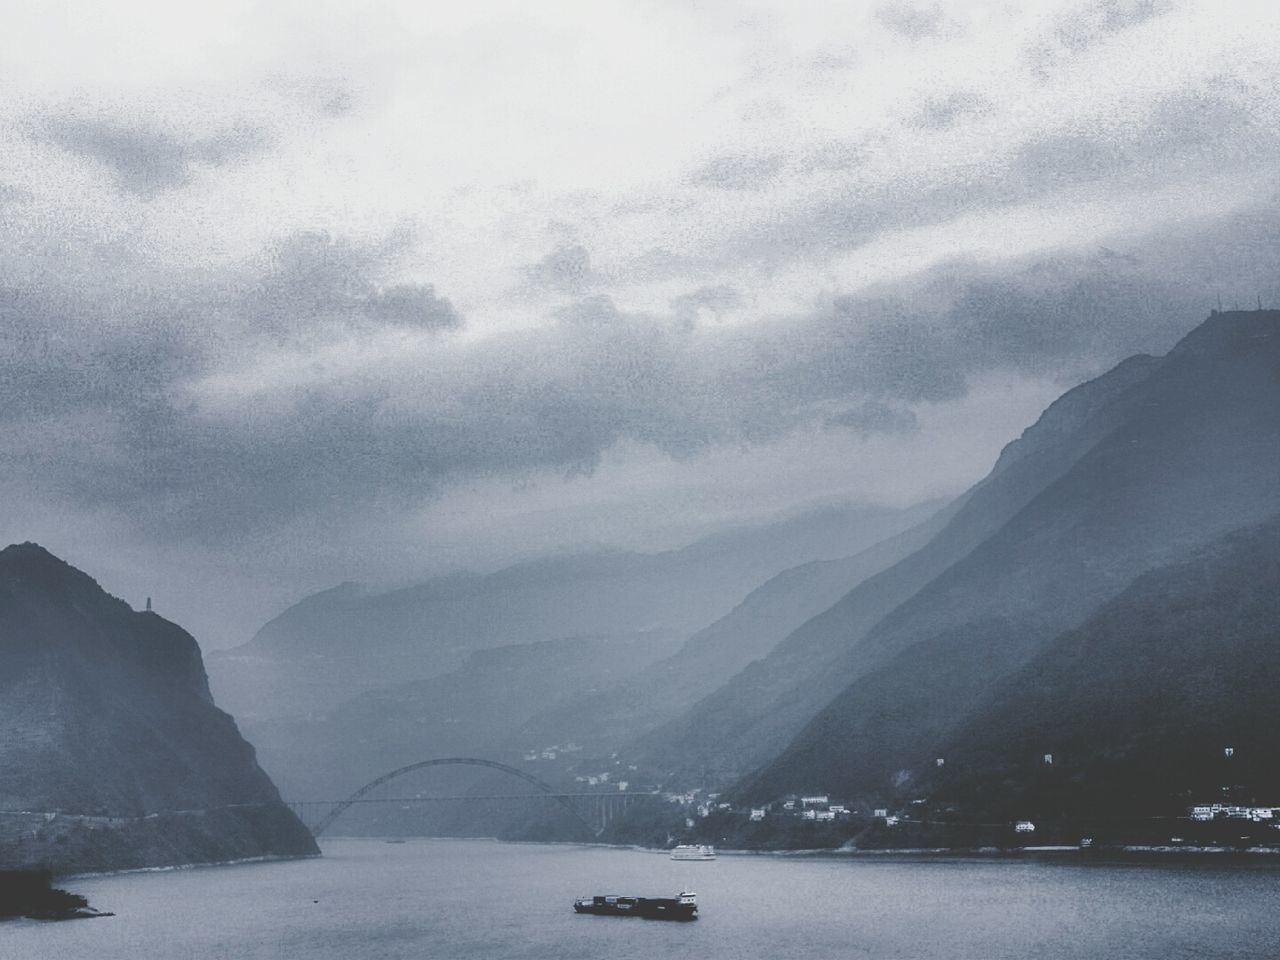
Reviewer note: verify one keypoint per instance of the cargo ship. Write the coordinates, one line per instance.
(694, 851)
(683, 907)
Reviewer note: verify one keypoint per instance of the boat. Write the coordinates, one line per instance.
(683, 907)
(694, 851)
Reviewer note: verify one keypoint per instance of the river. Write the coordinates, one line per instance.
(474, 898)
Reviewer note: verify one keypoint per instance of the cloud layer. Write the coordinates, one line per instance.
(308, 291)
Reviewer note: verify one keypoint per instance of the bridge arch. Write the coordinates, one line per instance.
(542, 785)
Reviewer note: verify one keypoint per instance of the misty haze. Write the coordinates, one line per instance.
(486, 480)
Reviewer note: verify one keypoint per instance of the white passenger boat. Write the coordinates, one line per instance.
(693, 851)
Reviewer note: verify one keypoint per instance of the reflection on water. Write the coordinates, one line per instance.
(457, 898)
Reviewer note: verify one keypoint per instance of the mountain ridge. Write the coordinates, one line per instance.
(345, 640)
(1193, 452)
(753, 717)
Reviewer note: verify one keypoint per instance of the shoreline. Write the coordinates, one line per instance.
(1100, 856)
(198, 865)
(1071, 854)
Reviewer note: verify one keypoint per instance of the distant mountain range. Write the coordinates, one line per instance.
(341, 642)
(594, 693)
(112, 752)
(475, 710)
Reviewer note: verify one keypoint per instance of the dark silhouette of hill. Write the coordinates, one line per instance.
(109, 726)
(341, 642)
(753, 717)
(1188, 452)
(1138, 705)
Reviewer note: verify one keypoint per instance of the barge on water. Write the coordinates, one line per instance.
(683, 907)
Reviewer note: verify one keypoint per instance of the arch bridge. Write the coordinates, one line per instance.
(594, 810)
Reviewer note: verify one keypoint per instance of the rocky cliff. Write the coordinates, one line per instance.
(112, 752)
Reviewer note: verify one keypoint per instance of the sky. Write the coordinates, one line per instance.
(293, 294)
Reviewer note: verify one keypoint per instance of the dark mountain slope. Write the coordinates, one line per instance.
(755, 715)
(106, 713)
(341, 642)
(1137, 705)
(1193, 451)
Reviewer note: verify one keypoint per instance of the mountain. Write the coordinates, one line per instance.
(604, 720)
(594, 693)
(1138, 705)
(344, 641)
(1187, 453)
(478, 709)
(755, 715)
(113, 748)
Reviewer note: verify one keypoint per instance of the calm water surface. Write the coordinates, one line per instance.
(447, 899)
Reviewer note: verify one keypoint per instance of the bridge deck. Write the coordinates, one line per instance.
(486, 796)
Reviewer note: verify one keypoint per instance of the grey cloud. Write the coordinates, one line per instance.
(912, 20)
(1204, 122)
(833, 155)
(1085, 26)
(9, 194)
(566, 269)
(1194, 133)
(1196, 127)
(659, 263)
(329, 96)
(717, 300)
(939, 113)
(396, 431)
(338, 103)
(1089, 24)
(145, 159)
(412, 305)
(833, 61)
(739, 171)
(875, 417)
(313, 278)
(598, 311)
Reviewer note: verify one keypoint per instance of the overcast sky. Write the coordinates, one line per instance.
(302, 292)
